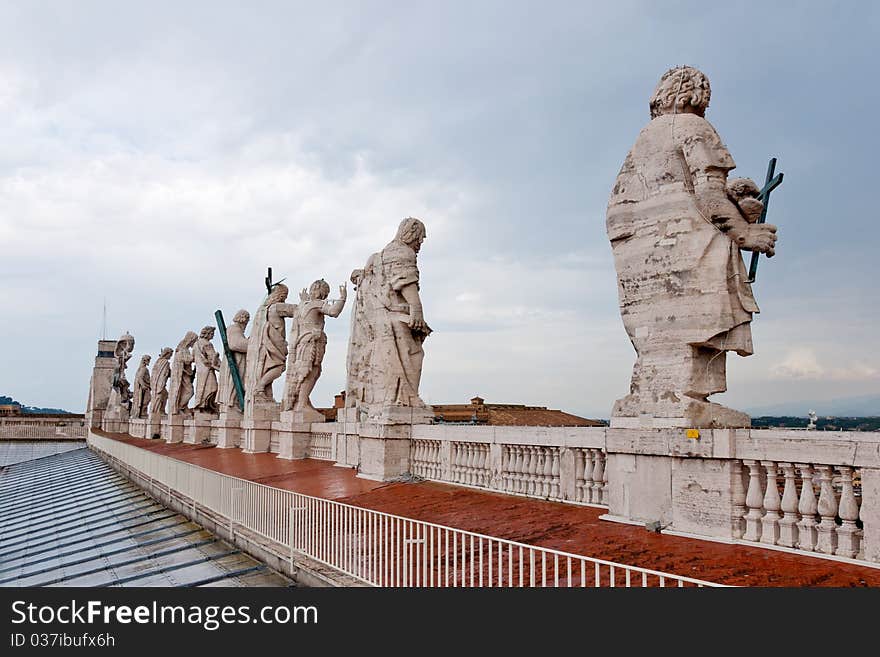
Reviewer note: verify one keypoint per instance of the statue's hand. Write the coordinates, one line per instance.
(304, 295)
(417, 320)
(343, 290)
(760, 238)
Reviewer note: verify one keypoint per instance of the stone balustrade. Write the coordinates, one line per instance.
(543, 462)
(22, 427)
(781, 507)
(320, 446)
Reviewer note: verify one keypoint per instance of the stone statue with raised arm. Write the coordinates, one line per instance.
(207, 362)
(677, 226)
(141, 396)
(308, 343)
(119, 403)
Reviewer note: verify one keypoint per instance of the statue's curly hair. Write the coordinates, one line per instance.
(689, 85)
(323, 288)
(410, 230)
(242, 316)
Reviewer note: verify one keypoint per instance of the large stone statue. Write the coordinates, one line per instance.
(119, 404)
(207, 362)
(677, 226)
(158, 382)
(182, 375)
(267, 349)
(388, 328)
(227, 398)
(308, 343)
(141, 395)
(120, 396)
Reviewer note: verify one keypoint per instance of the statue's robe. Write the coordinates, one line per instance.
(238, 345)
(681, 281)
(158, 380)
(141, 395)
(398, 355)
(205, 357)
(182, 374)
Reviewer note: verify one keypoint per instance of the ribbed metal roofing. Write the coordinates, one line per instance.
(69, 519)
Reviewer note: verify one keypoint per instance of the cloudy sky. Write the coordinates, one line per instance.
(162, 155)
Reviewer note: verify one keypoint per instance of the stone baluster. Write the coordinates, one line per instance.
(598, 477)
(738, 500)
(754, 501)
(578, 475)
(484, 462)
(532, 475)
(505, 464)
(770, 521)
(788, 525)
(554, 474)
(589, 465)
(605, 487)
(460, 459)
(521, 467)
(472, 464)
(543, 487)
(417, 458)
(438, 468)
(827, 529)
(848, 532)
(807, 507)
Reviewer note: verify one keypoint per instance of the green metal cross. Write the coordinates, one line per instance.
(230, 359)
(770, 183)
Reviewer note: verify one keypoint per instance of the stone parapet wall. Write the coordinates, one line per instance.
(23, 427)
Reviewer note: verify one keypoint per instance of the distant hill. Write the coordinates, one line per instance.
(827, 423)
(863, 406)
(4, 400)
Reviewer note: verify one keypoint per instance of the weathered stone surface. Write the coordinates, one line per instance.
(100, 384)
(207, 362)
(702, 496)
(140, 399)
(385, 353)
(182, 375)
(383, 458)
(639, 487)
(308, 343)
(676, 229)
(267, 351)
(119, 403)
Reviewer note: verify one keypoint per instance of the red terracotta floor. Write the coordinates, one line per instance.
(555, 525)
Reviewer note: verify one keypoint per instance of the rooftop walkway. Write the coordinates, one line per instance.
(68, 519)
(565, 527)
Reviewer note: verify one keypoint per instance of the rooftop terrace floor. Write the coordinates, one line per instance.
(568, 527)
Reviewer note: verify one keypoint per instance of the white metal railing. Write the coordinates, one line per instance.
(379, 548)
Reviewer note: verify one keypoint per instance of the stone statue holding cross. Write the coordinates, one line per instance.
(677, 227)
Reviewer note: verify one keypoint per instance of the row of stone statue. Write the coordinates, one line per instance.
(384, 355)
(677, 224)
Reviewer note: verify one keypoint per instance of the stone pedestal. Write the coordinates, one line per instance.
(662, 476)
(154, 426)
(228, 430)
(198, 430)
(257, 430)
(173, 428)
(137, 427)
(384, 441)
(115, 421)
(293, 437)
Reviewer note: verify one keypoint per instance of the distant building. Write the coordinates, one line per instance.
(10, 409)
(479, 412)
